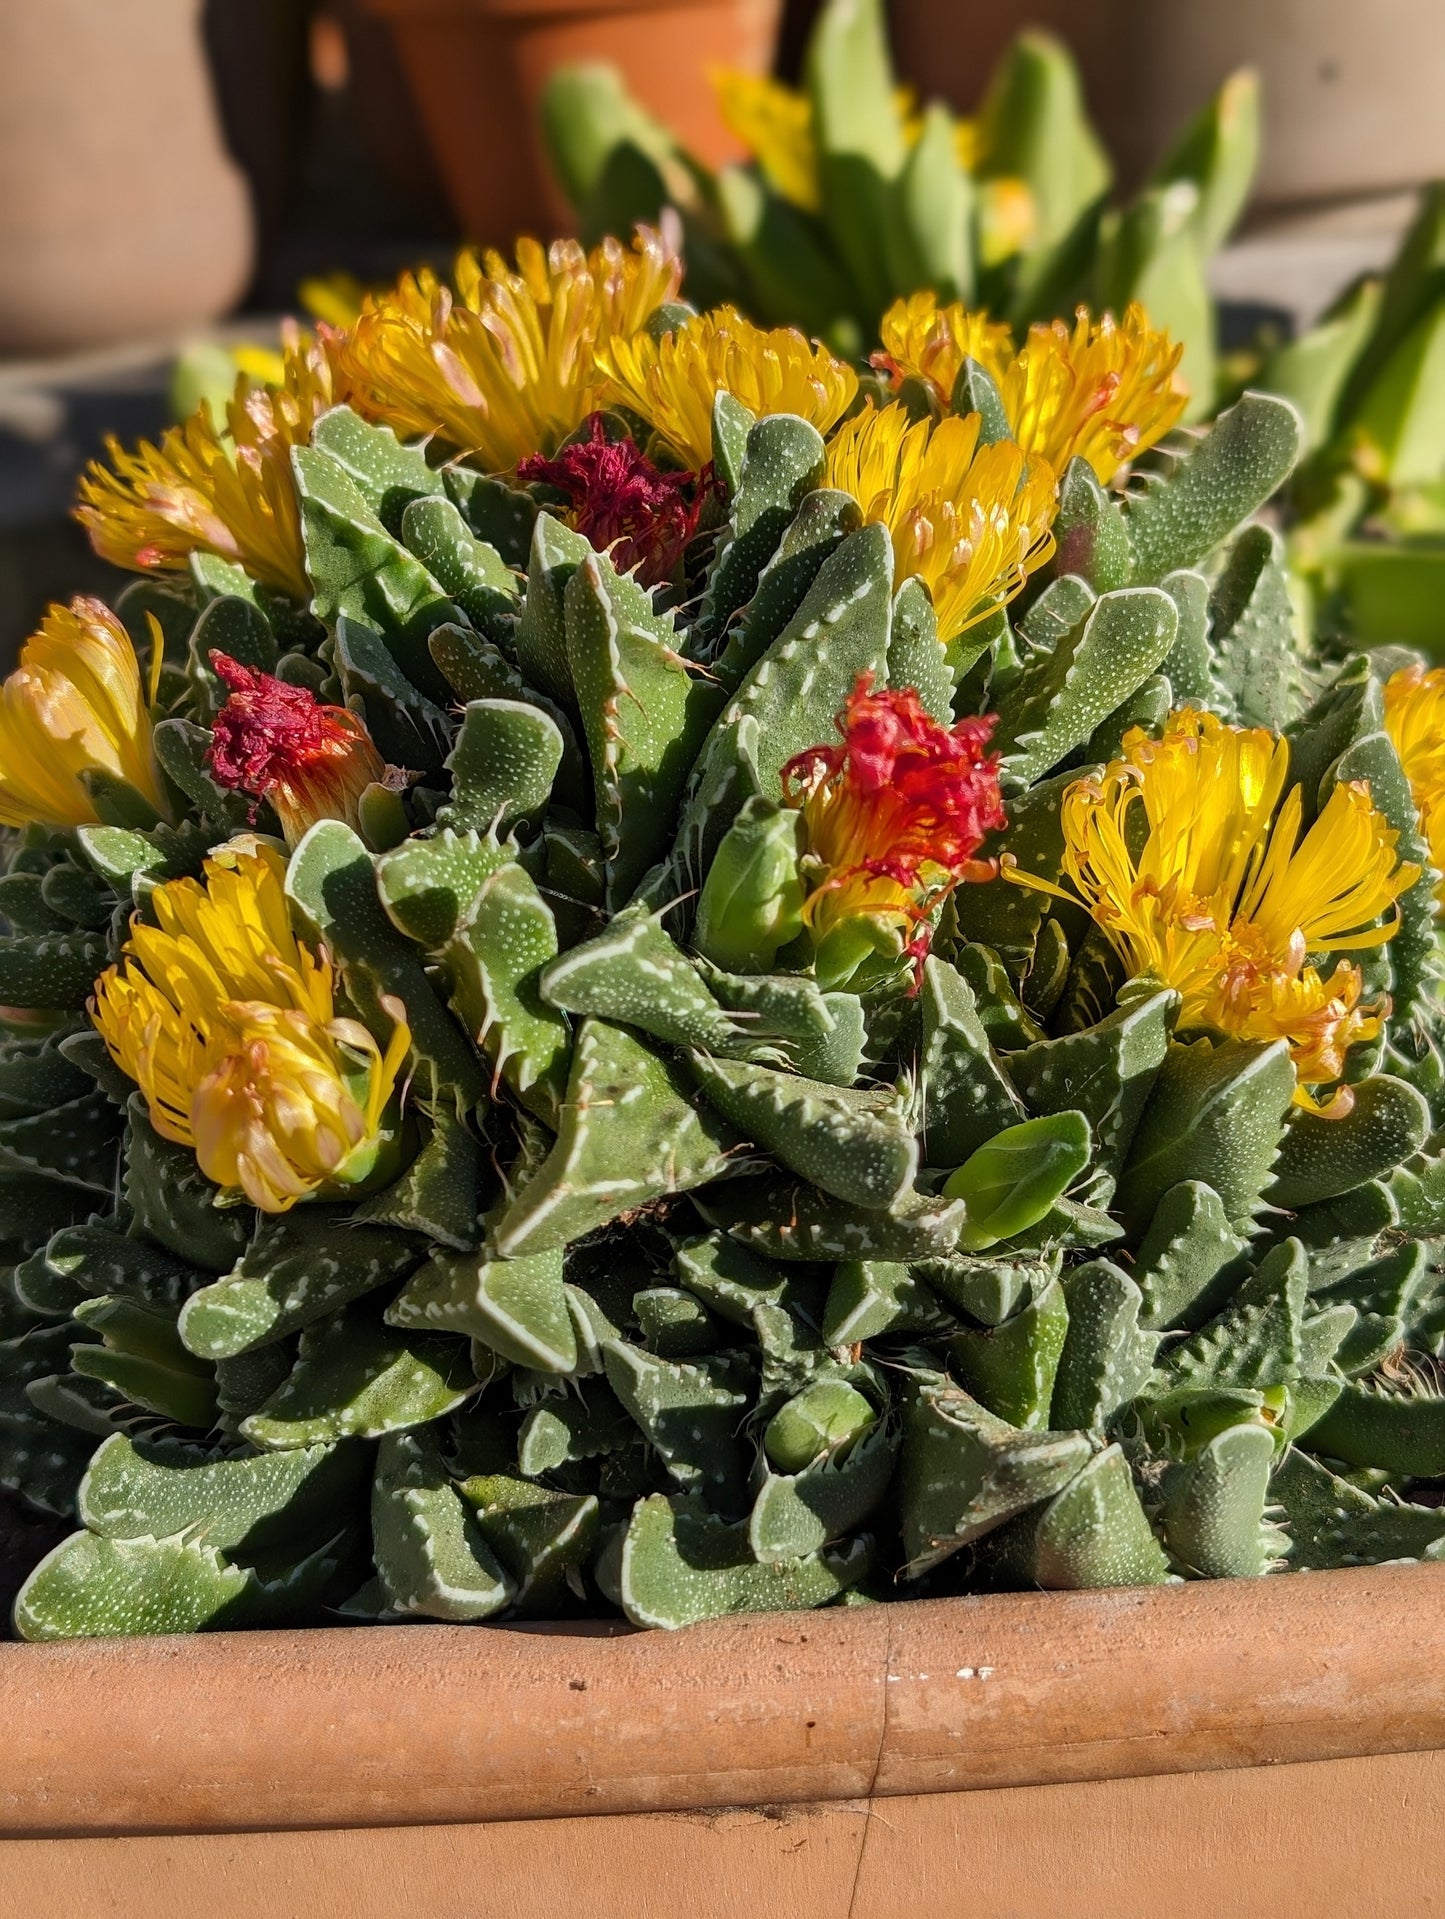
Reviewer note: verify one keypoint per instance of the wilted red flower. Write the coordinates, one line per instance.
(622, 502)
(894, 817)
(278, 742)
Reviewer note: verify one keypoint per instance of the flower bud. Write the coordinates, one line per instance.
(752, 900)
(72, 713)
(829, 1416)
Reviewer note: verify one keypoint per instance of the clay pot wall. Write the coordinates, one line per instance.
(477, 69)
(121, 213)
(1255, 1748)
(1349, 1836)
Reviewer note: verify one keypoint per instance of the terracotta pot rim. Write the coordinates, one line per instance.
(520, 10)
(433, 1725)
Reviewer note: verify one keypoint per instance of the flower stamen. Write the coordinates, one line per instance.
(893, 819)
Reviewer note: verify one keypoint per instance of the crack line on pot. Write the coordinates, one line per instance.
(888, 1650)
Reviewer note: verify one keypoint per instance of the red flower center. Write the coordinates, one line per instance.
(278, 742)
(622, 503)
(896, 812)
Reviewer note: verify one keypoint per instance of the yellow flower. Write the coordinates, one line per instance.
(1108, 390)
(775, 123)
(335, 299)
(1415, 721)
(972, 522)
(264, 365)
(227, 1023)
(228, 493)
(929, 342)
(1008, 219)
(1185, 856)
(673, 382)
(507, 365)
(74, 705)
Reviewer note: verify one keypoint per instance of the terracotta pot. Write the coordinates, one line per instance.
(121, 214)
(1351, 94)
(477, 69)
(1248, 1748)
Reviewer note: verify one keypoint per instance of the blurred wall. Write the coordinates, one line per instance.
(1352, 92)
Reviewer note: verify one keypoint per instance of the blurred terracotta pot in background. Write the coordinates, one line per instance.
(477, 69)
(1351, 94)
(121, 213)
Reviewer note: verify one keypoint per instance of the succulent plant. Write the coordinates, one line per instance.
(855, 197)
(1369, 380)
(892, 1047)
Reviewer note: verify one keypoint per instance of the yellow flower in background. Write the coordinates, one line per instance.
(1184, 854)
(1415, 721)
(203, 490)
(227, 1023)
(1106, 390)
(775, 123)
(507, 365)
(674, 381)
(1008, 219)
(972, 522)
(929, 340)
(76, 704)
(265, 365)
(335, 299)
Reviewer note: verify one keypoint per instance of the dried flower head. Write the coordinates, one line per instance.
(893, 817)
(280, 743)
(622, 503)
